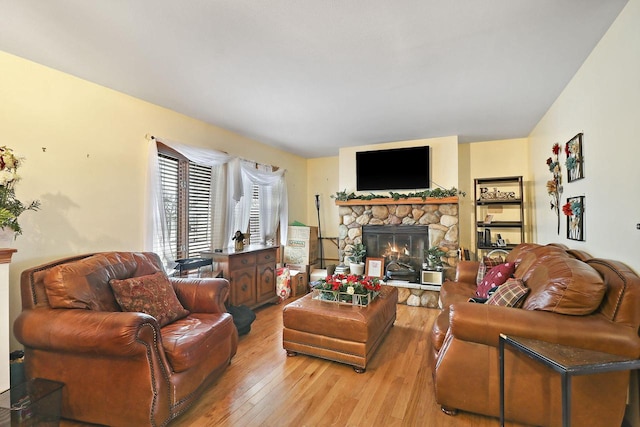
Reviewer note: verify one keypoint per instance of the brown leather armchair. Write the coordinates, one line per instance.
(464, 338)
(121, 368)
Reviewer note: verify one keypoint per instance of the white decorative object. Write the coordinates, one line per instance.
(5, 260)
(7, 236)
(347, 298)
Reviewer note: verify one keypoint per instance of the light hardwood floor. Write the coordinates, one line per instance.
(264, 387)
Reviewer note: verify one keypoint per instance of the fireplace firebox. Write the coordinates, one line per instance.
(401, 246)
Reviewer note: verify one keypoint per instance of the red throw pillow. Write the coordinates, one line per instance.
(152, 294)
(495, 277)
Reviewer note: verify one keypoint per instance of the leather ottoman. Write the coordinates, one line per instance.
(339, 332)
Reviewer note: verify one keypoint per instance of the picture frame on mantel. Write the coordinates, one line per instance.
(575, 159)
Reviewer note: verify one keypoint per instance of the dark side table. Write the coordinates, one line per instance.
(566, 360)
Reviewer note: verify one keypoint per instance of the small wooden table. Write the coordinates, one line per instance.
(566, 360)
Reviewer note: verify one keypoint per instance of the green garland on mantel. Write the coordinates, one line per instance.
(436, 193)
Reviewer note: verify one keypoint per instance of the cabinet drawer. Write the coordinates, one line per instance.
(242, 261)
(266, 257)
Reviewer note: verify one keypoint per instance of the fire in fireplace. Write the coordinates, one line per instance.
(401, 246)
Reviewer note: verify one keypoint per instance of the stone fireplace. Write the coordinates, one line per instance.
(400, 230)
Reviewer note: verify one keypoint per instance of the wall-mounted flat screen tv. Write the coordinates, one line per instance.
(394, 169)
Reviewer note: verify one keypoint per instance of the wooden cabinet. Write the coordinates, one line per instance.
(499, 212)
(251, 274)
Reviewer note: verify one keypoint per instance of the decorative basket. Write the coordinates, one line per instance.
(361, 300)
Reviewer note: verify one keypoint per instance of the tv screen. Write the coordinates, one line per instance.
(394, 169)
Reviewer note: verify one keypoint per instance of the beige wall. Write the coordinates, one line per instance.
(322, 179)
(602, 101)
(488, 159)
(86, 160)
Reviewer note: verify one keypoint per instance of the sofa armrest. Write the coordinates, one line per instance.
(467, 271)
(483, 324)
(123, 334)
(202, 295)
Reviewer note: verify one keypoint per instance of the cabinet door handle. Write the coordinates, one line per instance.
(244, 261)
(267, 257)
(244, 288)
(267, 279)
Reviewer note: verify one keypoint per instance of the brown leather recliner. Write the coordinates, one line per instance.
(121, 368)
(562, 307)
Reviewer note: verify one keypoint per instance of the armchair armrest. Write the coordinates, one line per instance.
(484, 323)
(202, 295)
(117, 333)
(466, 271)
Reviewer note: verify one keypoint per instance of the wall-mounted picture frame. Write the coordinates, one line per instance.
(575, 159)
(374, 267)
(574, 210)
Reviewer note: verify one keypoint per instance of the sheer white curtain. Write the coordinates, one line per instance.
(273, 199)
(274, 206)
(157, 234)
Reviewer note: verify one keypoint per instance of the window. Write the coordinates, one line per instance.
(186, 193)
(254, 216)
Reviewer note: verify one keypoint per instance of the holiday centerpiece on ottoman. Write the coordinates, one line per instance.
(349, 289)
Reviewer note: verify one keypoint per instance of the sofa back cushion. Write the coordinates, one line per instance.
(84, 283)
(528, 261)
(564, 285)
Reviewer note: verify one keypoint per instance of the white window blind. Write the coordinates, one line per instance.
(254, 216)
(187, 204)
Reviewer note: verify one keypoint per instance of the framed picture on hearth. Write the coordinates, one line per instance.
(575, 161)
(374, 267)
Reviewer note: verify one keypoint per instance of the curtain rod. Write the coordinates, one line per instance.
(150, 137)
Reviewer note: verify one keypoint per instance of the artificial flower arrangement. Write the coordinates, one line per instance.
(573, 210)
(347, 288)
(10, 207)
(554, 186)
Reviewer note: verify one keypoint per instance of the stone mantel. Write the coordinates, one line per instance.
(402, 201)
(440, 215)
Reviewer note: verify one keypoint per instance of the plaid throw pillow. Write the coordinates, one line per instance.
(511, 294)
(485, 265)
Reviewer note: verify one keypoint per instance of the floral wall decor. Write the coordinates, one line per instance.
(10, 207)
(554, 186)
(574, 162)
(574, 210)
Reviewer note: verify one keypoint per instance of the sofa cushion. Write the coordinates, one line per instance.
(152, 294)
(535, 256)
(495, 277)
(564, 285)
(189, 341)
(84, 283)
(511, 294)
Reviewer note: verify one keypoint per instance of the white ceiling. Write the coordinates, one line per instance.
(311, 76)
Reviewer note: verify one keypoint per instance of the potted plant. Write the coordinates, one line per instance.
(356, 254)
(434, 256)
(10, 207)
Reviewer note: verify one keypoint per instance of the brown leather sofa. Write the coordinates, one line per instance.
(574, 300)
(121, 368)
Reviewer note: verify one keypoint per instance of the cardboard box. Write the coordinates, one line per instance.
(299, 283)
(301, 246)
